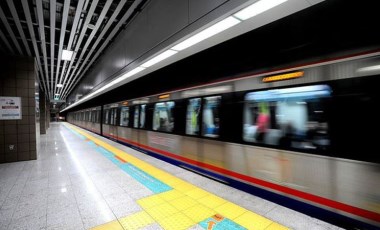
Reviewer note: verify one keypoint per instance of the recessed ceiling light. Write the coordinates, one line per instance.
(159, 58)
(257, 8)
(67, 55)
(90, 26)
(59, 85)
(206, 33)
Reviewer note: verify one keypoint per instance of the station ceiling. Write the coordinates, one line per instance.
(44, 28)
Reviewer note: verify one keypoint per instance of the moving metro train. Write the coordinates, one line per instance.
(303, 136)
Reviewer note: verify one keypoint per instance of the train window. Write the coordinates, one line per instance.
(113, 115)
(136, 117)
(210, 125)
(94, 116)
(290, 118)
(106, 116)
(124, 116)
(163, 119)
(192, 116)
(142, 116)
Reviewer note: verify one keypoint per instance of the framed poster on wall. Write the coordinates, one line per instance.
(10, 108)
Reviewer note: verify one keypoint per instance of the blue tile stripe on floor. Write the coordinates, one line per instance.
(145, 179)
(220, 225)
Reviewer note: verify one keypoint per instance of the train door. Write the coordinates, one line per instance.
(191, 144)
(135, 124)
(100, 120)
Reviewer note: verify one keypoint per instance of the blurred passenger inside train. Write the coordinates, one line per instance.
(290, 118)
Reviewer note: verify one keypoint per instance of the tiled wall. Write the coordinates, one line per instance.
(18, 79)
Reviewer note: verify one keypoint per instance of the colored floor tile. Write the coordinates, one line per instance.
(230, 210)
(161, 211)
(150, 202)
(171, 195)
(184, 186)
(220, 223)
(136, 221)
(199, 213)
(177, 221)
(183, 203)
(212, 201)
(197, 193)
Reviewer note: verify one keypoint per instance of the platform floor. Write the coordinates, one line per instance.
(84, 181)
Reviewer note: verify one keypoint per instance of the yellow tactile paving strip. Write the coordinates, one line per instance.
(184, 206)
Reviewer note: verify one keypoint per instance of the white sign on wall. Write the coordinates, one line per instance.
(10, 108)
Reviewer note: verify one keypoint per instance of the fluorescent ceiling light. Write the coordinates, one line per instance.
(67, 55)
(206, 33)
(123, 77)
(57, 94)
(159, 58)
(59, 85)
(129, 74)
(257, 8)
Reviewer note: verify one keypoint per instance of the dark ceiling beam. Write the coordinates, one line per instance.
(128, 14)
(34, 24)
(5, 40)
(9, 30)
(81, 36)
(28, 18)
(18, 25)
(78, 13)
(90, 38)
(61, 40)
(53, 7)
(101, 37)
(40, 15)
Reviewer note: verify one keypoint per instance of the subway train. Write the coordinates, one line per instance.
(303, 136)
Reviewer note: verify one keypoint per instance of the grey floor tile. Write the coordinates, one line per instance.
(6, 217)
(29, 222)
(125, 209)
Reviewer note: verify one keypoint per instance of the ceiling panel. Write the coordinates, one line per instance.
(43, 28)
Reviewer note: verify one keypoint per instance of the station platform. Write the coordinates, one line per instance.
(84, 181)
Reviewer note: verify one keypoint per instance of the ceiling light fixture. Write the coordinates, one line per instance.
(67, 55)
(59, 85)
(206, 33)
(158, 58)
(123, 77)
(257, 8)
(90, 26)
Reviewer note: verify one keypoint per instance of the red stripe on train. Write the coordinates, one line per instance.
(306, 196)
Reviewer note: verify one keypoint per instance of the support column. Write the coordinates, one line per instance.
(18, 136)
